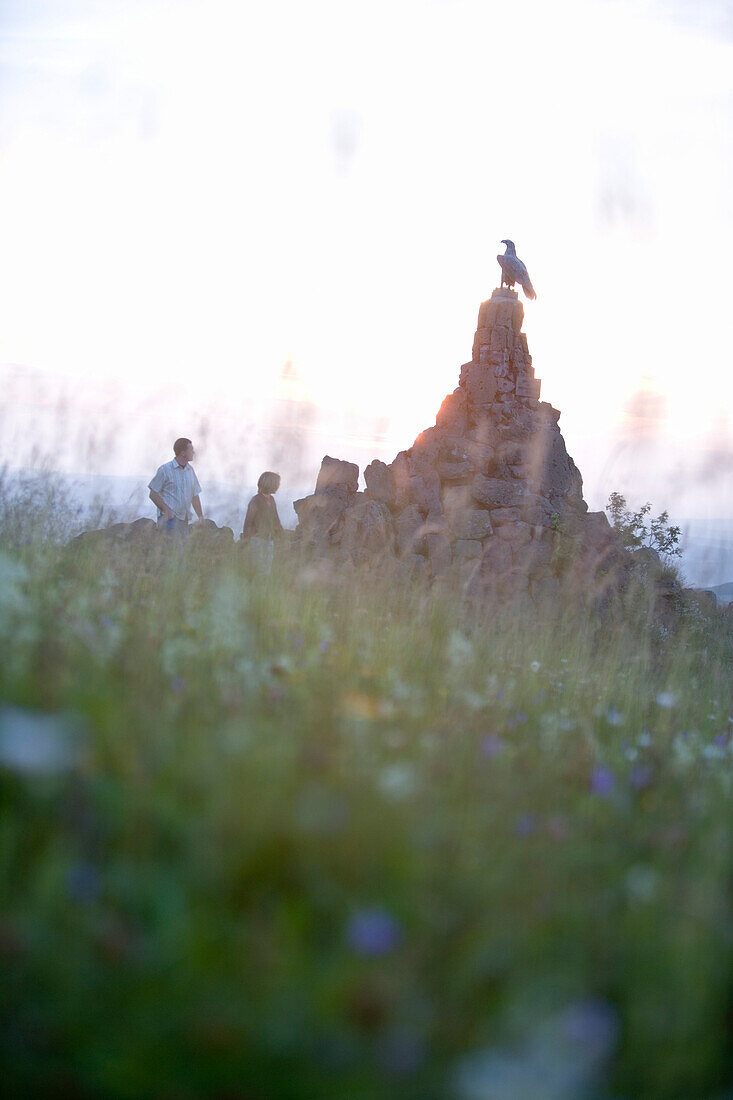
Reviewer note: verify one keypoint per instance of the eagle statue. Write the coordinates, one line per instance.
(513, 270)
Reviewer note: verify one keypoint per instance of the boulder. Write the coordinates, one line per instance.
(366, 530)
(409, 530)
(380, 483)
(335, 473)
(473, 523)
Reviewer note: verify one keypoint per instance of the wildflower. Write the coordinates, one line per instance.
(721, 739)
(82, 883)
(602, 781)
(591, 1024)
(614, 717)
(666, 699)
(323, 645)
(492, 746)
(641, 882)
(398, 780)
(535, 666)
(32, 742)
(524, 825)
(640, 777)
(372, 932)
(644, 740)
(178, 684)
(713, 752)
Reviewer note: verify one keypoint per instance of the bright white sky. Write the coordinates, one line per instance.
(194, 192)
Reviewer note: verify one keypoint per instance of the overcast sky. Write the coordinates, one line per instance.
(194, 194)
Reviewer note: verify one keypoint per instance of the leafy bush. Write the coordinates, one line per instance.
(639, 529)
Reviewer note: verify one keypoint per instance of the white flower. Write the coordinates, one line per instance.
(398, 781)
(535, 666)
(33, 742)
(642, 882)
(666, 699)
(644, 740)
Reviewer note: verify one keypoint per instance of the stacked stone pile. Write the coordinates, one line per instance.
(489, 490)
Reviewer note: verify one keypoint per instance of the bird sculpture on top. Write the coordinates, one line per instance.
(513, 270)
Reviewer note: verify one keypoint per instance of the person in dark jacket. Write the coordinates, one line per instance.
(262, 523)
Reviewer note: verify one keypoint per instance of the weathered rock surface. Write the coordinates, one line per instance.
(489, 490)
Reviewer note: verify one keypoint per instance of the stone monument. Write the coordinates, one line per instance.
(489, 491)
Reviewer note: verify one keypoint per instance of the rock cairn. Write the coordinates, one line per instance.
(490, 490)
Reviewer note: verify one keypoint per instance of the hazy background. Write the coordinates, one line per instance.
(270, 226)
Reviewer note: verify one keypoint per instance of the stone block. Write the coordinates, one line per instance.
(366, 530)
(496, 492)
(380, 484)
(545, 589)
(480, 385)
(456, 498)
(439, 552)
(467, 549)
(496, 555)
(533, 557)
(336, 473)
(409, 528)
(500, 516)
(475, 523)
(518, 534)
(538, 511)
(453, 414)
(424, 491)
(400, 470)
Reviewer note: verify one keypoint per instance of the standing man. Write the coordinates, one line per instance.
(175, 490)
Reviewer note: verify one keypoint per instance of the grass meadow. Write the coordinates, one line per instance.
(320, 834)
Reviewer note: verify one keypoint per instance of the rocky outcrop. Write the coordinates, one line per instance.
(489, 490)
(145, 531)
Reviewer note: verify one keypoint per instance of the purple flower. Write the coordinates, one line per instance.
(323, 646)
(492, 746)
(524, 825)
(372, 932)
(516, 720)
(721, 739)
(82, 883)
(592, 1024)
(178, 684)
(640, 776)
(602, 781)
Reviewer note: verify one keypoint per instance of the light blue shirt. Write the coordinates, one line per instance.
(177, 485)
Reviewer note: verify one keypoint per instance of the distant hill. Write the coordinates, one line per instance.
(723, 592)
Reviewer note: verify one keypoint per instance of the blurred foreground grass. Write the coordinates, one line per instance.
(312, 835)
